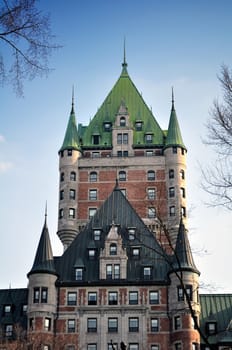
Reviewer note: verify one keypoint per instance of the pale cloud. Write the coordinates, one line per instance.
(5, 166)
(2, 138)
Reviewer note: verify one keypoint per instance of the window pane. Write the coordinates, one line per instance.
(71, 326)
(93, 176)
(113, 298)
(154, 297)
(92, 298)
(133, 324)
(133, 298)
(72, 298)
(79, 274)
(151, 175)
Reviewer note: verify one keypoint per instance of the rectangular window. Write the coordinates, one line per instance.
(44, 295)
(211, 328)
(71, 213)
(180, 293)
(95, 154)
(133, 346)
(113, 298)
(7, 310)
(61, 213)
(116, 271)
(147, 273)
(61, 194)
(177, 322)
(125, 139)
(174, 149)
(183, 211)
(79, 274)
(133, 324)
(72, 298)
(92, 211)
(172, 211)
(189, 291)
(97, 235)
(154, 347)
(92, 325)
(96, 139)
(150, 175)
(154, 325)
(171, 174)
(36, 295)
(72, 194)
(135, 252)
(178, 346)
(119, 139)
(151, 193)
(71, 326)
(182, 192)
(112, 324)
(149, 153)
(133, 298)
(107, 126)
(154, 297)
(171, 192)
(148, 138)
(92, 347)
(131, 232)
(92, 298)
(109, 272)
(9, 330)
(92, 195)
(47, 324)
(138, 126)
(69, 152)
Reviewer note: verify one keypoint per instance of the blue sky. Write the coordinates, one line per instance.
(168, 43)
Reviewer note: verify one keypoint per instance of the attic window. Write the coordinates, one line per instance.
(97, 235)
(95, 139)
(148, 138)
(135, 252)
(122, 121)
(138, 126)
(211, 327)
(92, 253)
(113, 249)
(147, 273)
(131, 232)
(79, 274)
(7, 309)
(107, 126)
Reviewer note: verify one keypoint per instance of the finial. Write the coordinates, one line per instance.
(173, 99)
(72, 99)
(124, 64)
(46, 213)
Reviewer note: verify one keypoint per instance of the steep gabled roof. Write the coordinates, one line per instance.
(16, 299)
(43, 262)
(183, 258)
(116, 209)
(124, 90)
(174, 137)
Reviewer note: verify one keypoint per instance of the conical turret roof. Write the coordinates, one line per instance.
(71, 139)
(44, 262)
(174, 137)
(183, 258)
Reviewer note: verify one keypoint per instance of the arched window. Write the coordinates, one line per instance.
(73, 176)
(93, 176)
(122, 175)
(151, 175)
(122, 121)
(113, 249)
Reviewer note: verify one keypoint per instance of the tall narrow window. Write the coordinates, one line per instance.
(47, 324)
(133, 324)
(119, 139)
(92, 298)
(125, 139)
(79, 274)
(92, 324)
(182, 174)
(177, 322)
(92, 211)
(182, 192)
(113, 249)
(61, 213)
(71, 213)
(36, 296)
(154, 325)
(96, 139)
(147, 273)
(44, 295)
(72, 298)
(171, 192)
(116, 271)
(72, 194)
(61, 177)
(92, 195)
(151, 193)
(154, 297)
(109, 272)
(69, 152)
(113, 298)
(151, 212)
(133, 298)
(171, 174)
(71, 326)
(61, 194)
(172, 211)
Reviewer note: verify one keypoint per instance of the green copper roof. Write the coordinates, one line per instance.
(124, 91)
(174, 137)
(71, 139)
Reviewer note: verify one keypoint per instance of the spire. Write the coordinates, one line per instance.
(124, 64)
(71, 139)
(174, 137)
(183, 259)
(44, 262)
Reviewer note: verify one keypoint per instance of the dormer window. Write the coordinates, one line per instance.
(95, 139)
(113, 249)
(97, 235)
(135, 252)
(148, 138)
(92, 253)
(131, 232)
(7, 309)
(122, 121)
(79, 274)
(107, 126)
(147, 273)
(138, 126)
(211, 328)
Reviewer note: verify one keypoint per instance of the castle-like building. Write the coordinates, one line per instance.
(126, 278)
